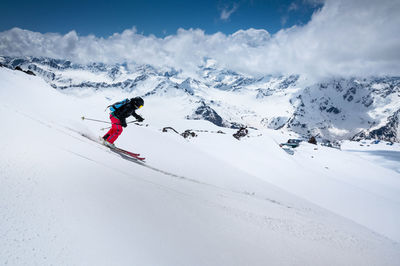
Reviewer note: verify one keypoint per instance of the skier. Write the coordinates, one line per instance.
(119, 111)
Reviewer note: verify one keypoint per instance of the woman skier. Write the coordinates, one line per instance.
(119, 111)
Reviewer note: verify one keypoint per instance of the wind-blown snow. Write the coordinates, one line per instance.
(67, 200)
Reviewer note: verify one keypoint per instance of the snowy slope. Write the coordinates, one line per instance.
(66, 200)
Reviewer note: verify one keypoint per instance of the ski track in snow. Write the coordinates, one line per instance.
(165, 172)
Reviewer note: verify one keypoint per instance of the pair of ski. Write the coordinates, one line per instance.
(128, 153)
(122, 152)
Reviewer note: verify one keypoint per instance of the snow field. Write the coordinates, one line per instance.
(66, 200)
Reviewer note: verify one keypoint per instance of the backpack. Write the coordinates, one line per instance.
(117, 105)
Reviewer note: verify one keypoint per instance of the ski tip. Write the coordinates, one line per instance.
(138, 158)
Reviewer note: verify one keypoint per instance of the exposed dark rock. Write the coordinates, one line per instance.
(289, 81)
(312, 140)
(242, 132)
(188, 134)
(27, 72)
(166, 129)
(334, 110)
(349, 95)
(207, 113)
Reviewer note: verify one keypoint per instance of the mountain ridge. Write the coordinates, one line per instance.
(333, 109)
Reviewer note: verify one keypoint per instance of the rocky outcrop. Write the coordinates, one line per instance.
(389, 132)
(242, 132)
(25, 71)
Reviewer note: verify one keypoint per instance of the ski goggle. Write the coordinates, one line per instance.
(140, 106)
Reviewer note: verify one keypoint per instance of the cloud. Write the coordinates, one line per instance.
(343, 38)
(284, 19)
(226, 12)
(293, 7)
(314, 2)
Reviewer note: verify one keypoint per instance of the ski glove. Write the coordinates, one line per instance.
(123, 123)
(140, 119)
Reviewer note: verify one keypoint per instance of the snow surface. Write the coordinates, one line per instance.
(209, 200)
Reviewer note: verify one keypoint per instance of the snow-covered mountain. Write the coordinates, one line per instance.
(335, 109)
(207, 200)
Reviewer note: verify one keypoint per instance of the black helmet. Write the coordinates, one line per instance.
(138, 102)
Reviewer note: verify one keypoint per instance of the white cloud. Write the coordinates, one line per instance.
(227, 12)
(343, 38)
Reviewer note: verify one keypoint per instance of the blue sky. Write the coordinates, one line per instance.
(332, 38)
(161, 18)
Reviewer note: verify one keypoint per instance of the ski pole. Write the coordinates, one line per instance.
(83, 118)
(127, 123)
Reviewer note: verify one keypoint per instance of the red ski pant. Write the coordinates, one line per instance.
(115, 131)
